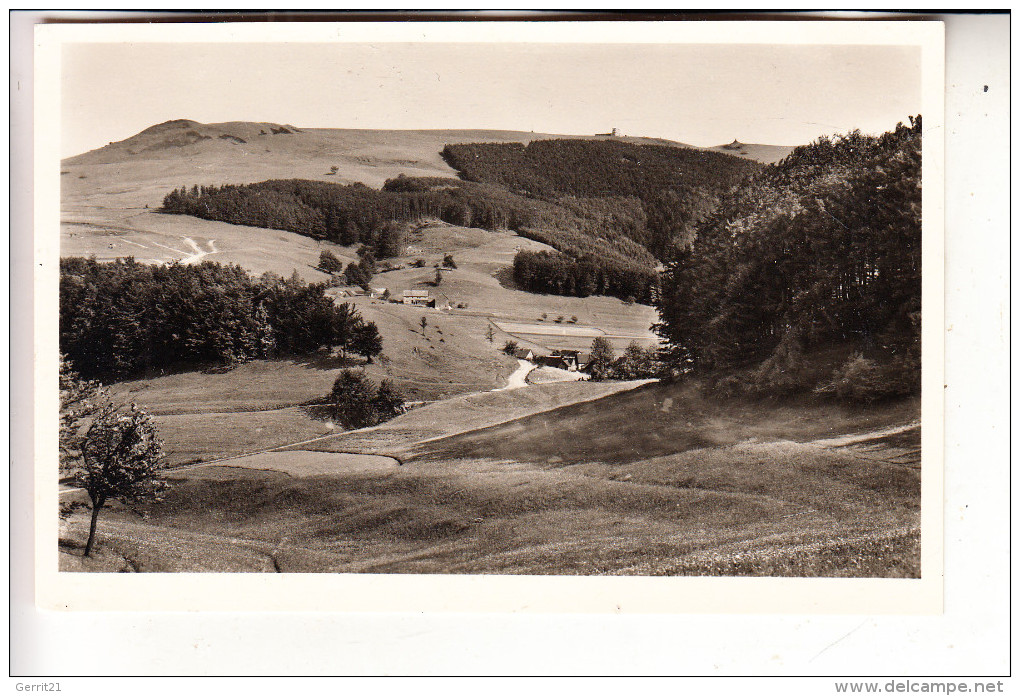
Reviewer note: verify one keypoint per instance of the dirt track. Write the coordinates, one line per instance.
(519, 377)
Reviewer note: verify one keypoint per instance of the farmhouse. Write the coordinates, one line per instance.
(524, 354)
(418, 298)
(562, 359)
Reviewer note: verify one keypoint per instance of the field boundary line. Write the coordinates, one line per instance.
(382, 453)
(635, 384)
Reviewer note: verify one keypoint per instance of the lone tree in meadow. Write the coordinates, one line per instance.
(351, 400)
(109, 450)
(354, 401)
(424, 322)
(601, 362)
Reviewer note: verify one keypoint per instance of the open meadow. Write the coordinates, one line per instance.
(725, 494)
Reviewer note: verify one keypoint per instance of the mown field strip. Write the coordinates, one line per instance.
(513, 327)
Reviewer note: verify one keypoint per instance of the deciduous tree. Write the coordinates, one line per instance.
(111, 451)
(601, 362)
(352, 398)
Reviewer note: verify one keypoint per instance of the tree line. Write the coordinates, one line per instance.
(823, 248)
(377, 219)
(652, 194)
(125, 318)
(560, 274)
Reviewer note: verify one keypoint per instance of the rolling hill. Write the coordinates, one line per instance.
(109, 195)
(220, 150)
(603, 203)
(700, 487)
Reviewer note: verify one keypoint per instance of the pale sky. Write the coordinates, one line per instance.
(698, 94)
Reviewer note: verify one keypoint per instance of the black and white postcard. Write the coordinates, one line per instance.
(636, 317)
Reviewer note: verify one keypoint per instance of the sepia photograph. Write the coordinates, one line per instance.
(404, 302)
(532, 343)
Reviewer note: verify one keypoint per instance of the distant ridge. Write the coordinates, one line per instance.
(766, 154)
(183, 136)
(180, 133)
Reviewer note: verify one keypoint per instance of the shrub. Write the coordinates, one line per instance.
(448, 261)
(329, 262)
(388, 401)
(355, 402)
(784, 372)
(509, 347)
(861, 380)
(729, 387)
(637, 363)
(351, 400)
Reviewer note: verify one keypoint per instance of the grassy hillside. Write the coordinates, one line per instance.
(453, 357)
(657, 420)
(769, 505)
(468, 413)
(368, 156)
(610, 207)
(109, 195)
(565, 478)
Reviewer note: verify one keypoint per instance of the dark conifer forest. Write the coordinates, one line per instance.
(821, 249)
(124, 319)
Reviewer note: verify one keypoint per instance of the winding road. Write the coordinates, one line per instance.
(518, 378)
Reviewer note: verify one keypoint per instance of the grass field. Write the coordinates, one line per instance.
(783, 499)
(655, 420)
(465, 413)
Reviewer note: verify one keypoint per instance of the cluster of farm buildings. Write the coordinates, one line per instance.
(570, 360)
(414, 298)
